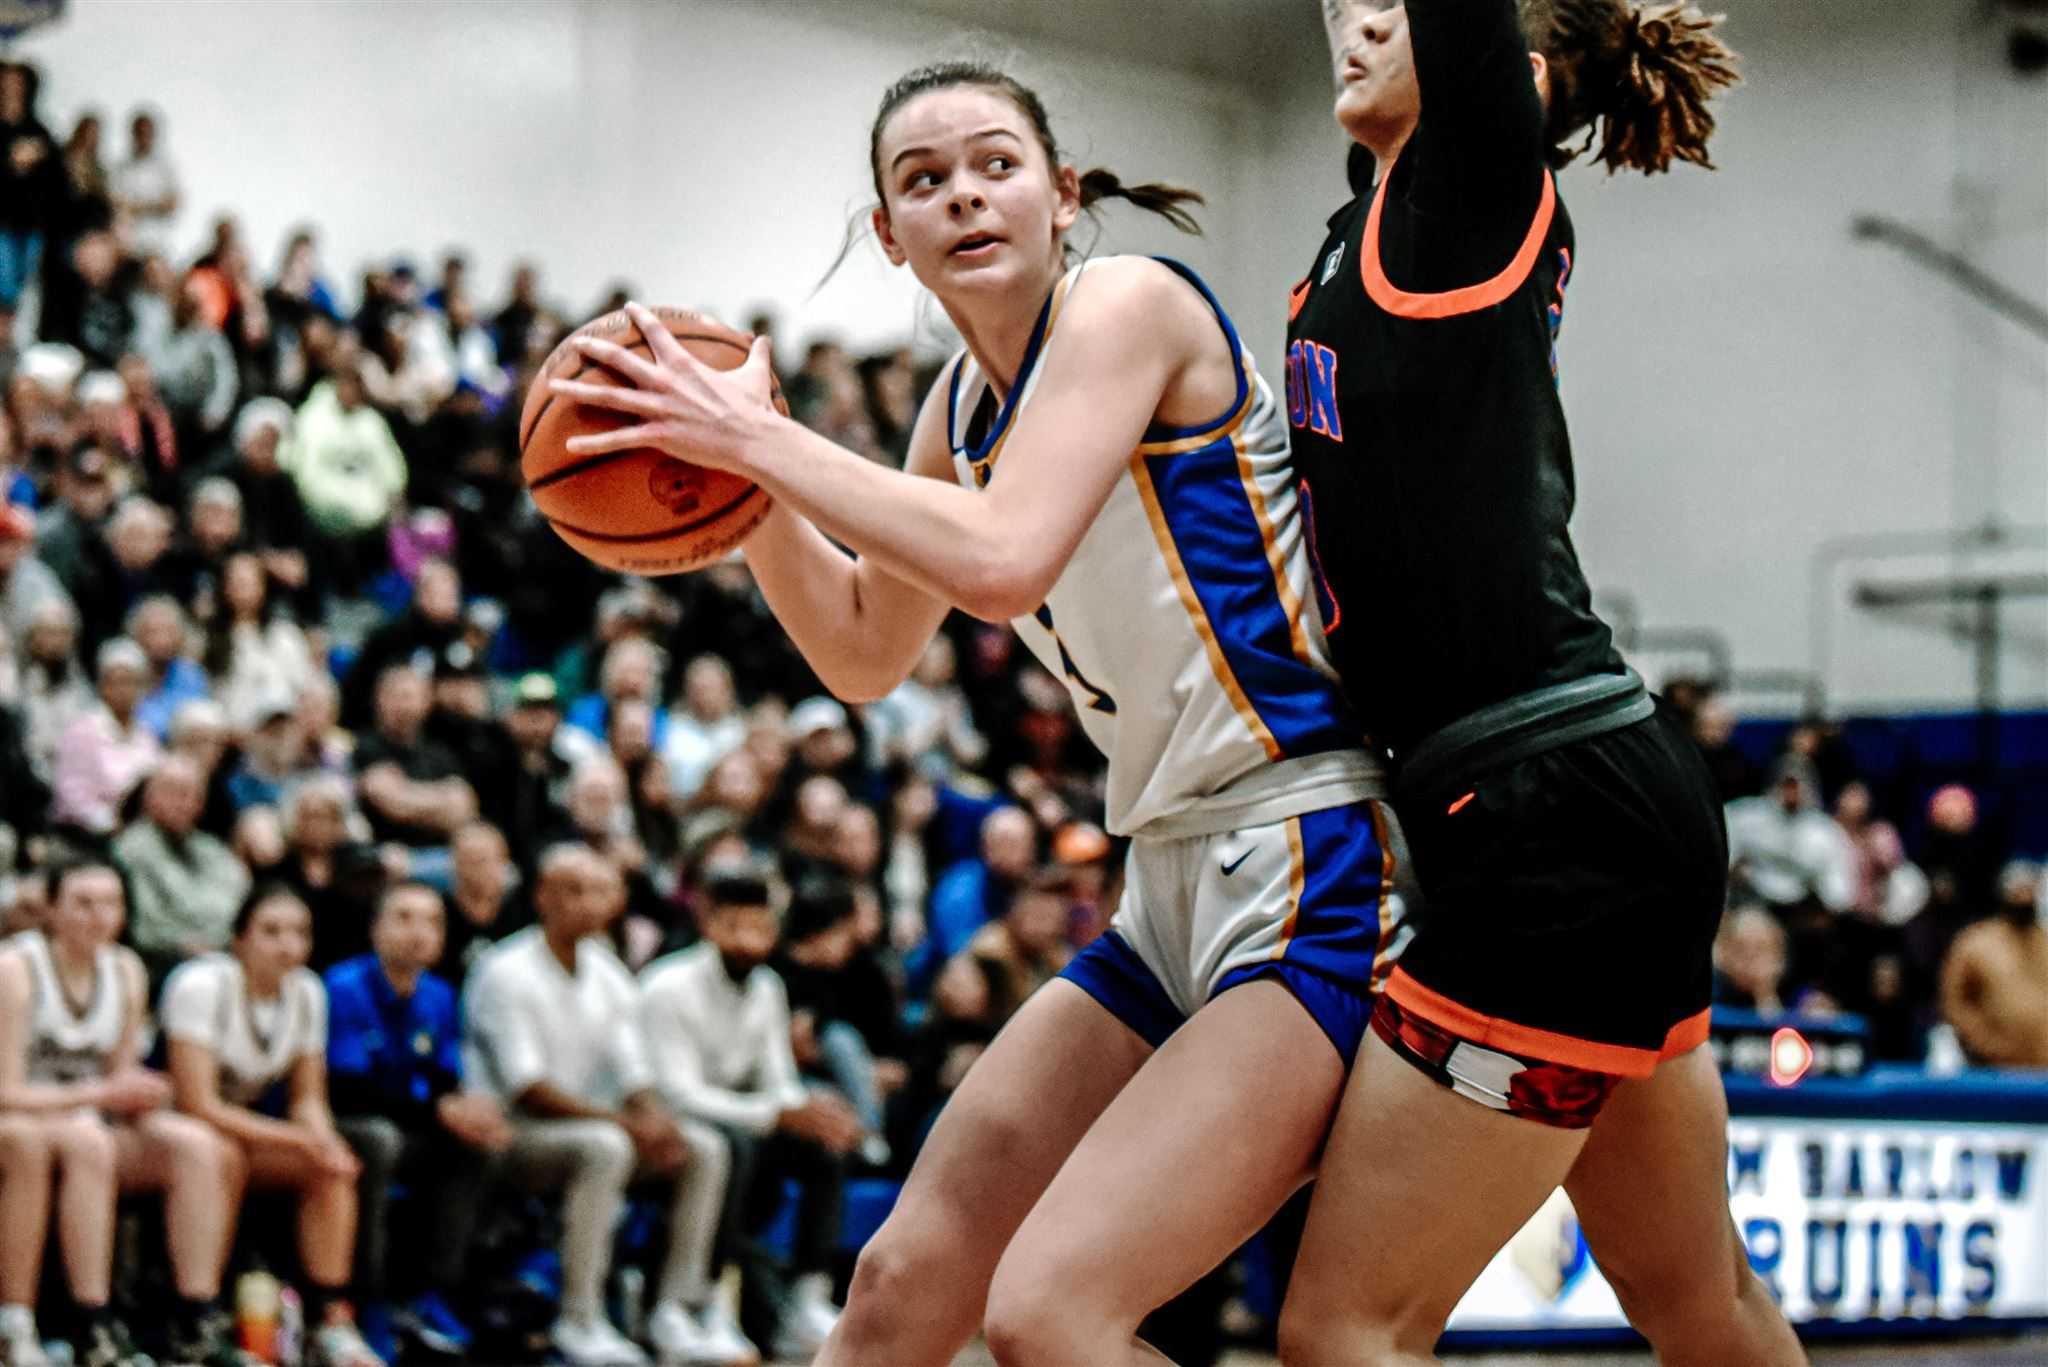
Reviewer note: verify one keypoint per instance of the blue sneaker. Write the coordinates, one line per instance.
(379, 1328)
(430, 1323)
(541, 1273)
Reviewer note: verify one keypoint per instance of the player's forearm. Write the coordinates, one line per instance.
(43, 1098)
(825, 601)
(545, 1101)
(942, 538)
(242, 1124)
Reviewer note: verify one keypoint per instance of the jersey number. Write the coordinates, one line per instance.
(1097, 699)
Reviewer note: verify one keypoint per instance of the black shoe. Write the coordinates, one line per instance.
(107, 1343)
(207, 1342)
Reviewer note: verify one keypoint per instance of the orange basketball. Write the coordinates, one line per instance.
(637, 510)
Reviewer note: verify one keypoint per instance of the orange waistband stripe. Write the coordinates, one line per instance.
(1547, 1045)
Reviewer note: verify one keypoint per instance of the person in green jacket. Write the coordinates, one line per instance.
(349, 469)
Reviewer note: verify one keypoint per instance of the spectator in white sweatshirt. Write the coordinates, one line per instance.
(717, 1025)
(552, 1032)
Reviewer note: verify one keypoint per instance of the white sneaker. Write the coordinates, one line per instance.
(808, 1321)
(19, 1344)
(341, 1344)
(721, 1329)
(682, 1339)
(814, 1304)
(595, 1343)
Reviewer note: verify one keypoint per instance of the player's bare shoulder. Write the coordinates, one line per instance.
(1138, 301)
(1141, 292)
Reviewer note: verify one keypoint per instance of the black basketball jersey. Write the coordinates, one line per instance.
(1423, 401)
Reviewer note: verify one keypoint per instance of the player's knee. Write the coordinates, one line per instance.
(884, 1276)
(23, 1145)
(1030, 1322)
(1674, 1301)
(208, 1156)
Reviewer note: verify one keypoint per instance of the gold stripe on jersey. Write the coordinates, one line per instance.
(1208, 436)
(1290, 601)
(1141, 478)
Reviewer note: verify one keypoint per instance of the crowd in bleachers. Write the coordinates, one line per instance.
(581, 875)
(1940, 948)
(450, 863)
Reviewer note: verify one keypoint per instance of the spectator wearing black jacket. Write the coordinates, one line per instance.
(528, 800)
(86, 303)
(484, 905)
(413, 789)
(31, 184)
(273, 515)
(429, 626)
(842, 1009)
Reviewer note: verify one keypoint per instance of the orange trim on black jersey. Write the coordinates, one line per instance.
(1297, 297)
(1547, 1045)
(1451, 303)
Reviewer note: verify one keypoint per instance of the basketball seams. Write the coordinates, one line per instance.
(582, 467)
(705, 553)
(680, 529)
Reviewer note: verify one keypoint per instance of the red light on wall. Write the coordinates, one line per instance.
(1791, 1056)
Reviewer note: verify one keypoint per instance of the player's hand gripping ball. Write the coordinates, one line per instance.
(611, 456)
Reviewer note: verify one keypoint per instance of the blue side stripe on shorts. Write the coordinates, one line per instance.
(1337, 931)
(1110, 971)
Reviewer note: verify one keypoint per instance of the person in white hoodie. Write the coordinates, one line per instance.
(717, 1024)
(552, 1032)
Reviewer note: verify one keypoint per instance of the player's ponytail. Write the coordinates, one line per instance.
(1638, 80)
(1167, 201)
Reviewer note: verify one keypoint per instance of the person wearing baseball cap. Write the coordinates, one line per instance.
(521, 801)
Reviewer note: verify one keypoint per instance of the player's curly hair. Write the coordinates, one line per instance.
(1638, 79)
(1168, 201)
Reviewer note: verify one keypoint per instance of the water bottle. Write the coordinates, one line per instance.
(291, 1328)
(258, 1303)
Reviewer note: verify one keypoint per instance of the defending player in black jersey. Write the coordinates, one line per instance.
(1567, 839)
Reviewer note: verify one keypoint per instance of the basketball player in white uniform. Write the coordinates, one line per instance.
(248, 1056)
(76, 1104)
(1103, 467)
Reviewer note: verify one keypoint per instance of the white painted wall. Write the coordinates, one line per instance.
(1745, 383)
(706, 151)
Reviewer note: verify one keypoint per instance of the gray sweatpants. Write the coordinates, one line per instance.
(590, 1162)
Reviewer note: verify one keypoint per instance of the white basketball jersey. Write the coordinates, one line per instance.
(254, 1043)
(66, 1045)
(1187, 627)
